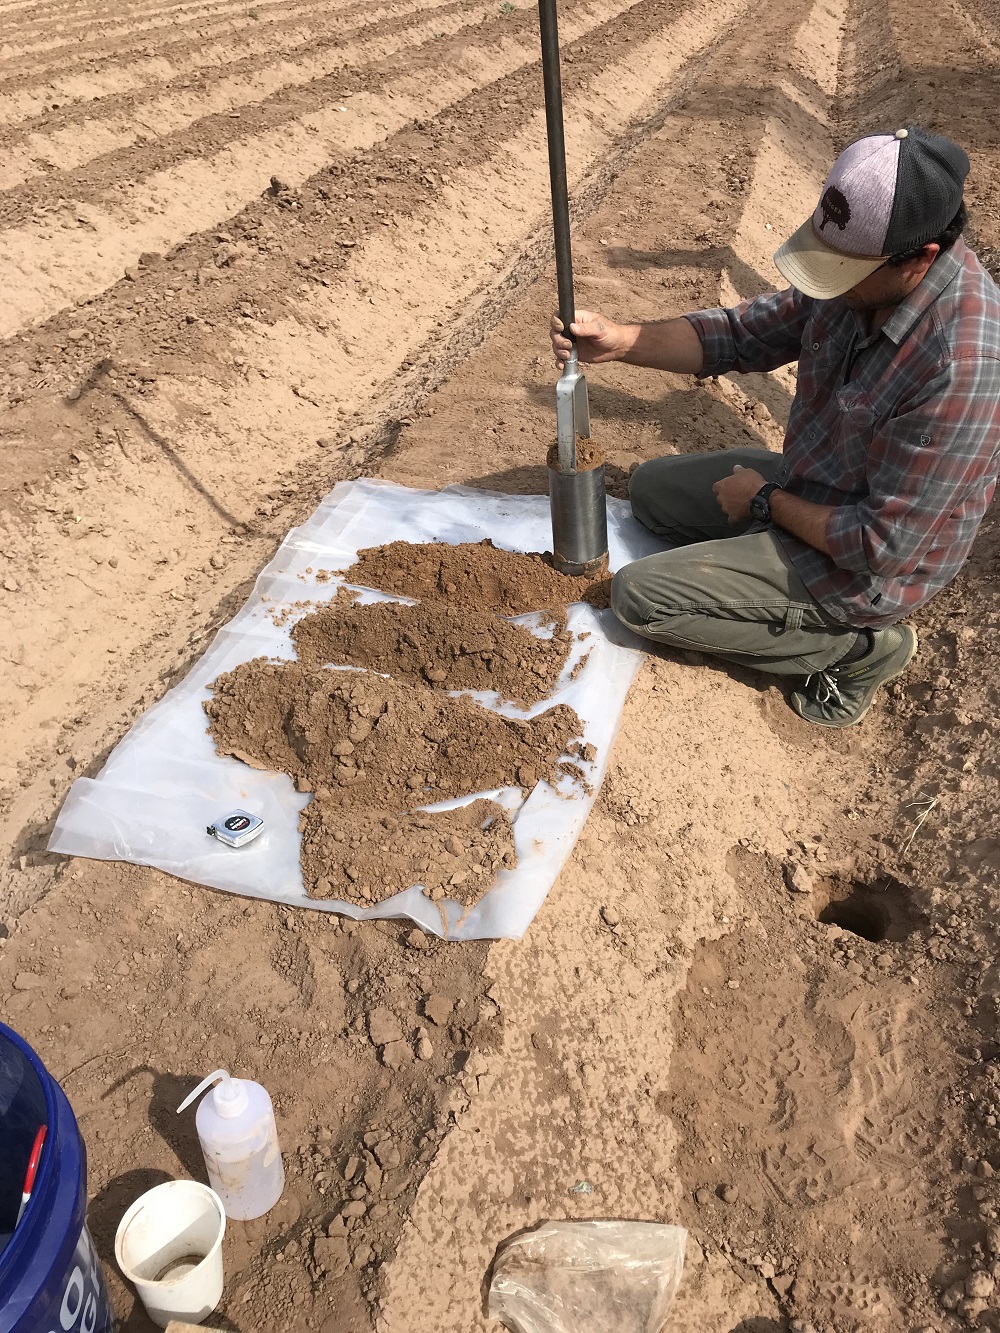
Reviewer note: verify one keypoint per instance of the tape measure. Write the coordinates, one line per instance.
(237, 828)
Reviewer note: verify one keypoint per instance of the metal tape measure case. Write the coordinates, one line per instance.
(237, 828)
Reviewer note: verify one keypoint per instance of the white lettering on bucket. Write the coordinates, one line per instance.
(82, 1291)
(89, 1321)
(74, 1291)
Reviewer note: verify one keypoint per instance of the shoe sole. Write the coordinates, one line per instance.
(842, 726)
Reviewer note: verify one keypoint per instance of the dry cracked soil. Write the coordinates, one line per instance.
(249, 251)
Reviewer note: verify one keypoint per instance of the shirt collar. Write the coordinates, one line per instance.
(942, 272)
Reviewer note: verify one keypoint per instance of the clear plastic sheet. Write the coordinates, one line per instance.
(588, 1277)
(164, 783)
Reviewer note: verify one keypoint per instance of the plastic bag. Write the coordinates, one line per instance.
(588, 1277)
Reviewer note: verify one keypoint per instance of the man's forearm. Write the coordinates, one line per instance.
(802, 518)
(669, 344)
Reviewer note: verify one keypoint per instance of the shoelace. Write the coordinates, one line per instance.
(824, 691)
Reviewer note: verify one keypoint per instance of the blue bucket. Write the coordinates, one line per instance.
(50, 1275)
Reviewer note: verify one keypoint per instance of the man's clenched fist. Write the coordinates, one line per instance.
(735, 492)
(597, 339)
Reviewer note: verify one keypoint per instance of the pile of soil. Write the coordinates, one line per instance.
(378, 742)
(474, 574)
(373, 748)
(446, 647)
(364, 856)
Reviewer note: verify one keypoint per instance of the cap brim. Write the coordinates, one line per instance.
(818, 270)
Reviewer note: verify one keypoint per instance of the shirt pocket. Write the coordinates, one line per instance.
(853, 430)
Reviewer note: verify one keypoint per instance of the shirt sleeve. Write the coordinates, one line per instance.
(760, 334)
(931, 474)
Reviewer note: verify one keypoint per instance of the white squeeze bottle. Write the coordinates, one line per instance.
(239, 1138)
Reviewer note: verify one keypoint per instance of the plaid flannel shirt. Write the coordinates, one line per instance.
(899, 430)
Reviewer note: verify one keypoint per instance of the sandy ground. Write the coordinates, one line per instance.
(250, 251)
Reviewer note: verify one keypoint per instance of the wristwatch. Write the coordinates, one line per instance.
(760, 505)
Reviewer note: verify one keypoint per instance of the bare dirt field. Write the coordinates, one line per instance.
(249, 251)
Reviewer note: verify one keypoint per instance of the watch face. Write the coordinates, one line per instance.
(759, 508)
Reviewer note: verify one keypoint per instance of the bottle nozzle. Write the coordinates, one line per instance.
(230, 1097)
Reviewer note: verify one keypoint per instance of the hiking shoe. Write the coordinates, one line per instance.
(842, 695)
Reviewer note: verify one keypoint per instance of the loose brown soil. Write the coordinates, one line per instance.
(364, 856)
(588, 455)
(446, 647)
(478, 575)
(376, 742)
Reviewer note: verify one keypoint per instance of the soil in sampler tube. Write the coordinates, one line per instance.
(364, 855)
(446, 647)
(474, 574)
(588, 455)
(368, 741)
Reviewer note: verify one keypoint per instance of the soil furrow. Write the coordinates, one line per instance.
(167, 35)
(167, 115)
(46, 98)
(145, 27)
(192, 61)
(55, 15)
(480, 53)
(461, 135)
(985, 33)
(29, 109)
(59, 265)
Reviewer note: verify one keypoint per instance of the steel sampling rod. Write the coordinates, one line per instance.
(576, 498)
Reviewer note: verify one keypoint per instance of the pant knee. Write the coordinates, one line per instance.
(628, 601)
(647, 493)
(635, 489)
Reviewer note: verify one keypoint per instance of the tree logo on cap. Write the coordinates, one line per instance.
(835, 208)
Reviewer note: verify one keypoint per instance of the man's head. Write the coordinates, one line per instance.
(891, 203)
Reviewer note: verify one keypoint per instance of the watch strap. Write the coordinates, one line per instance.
(763, 499)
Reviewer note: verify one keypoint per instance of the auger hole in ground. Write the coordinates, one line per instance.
(883, 911)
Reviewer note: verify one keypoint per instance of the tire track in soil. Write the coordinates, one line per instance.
(56, 267)
(161, 120)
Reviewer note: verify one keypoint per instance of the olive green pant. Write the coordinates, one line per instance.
(723, 589)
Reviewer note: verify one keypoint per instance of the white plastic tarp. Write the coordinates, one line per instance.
(164, 783)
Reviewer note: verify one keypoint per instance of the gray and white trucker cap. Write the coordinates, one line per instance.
(887, 193)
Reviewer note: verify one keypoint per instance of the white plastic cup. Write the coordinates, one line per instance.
(169, 1245)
